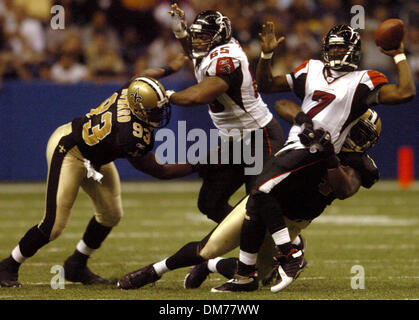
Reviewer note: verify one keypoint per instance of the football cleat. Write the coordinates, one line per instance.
(196, 276)
(138, 278)
(303, 244)
(8, 279)
(286, 269)
(239, 283)
(76, 271)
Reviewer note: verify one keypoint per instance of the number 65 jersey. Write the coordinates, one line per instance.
(241, 107)
(334, 100)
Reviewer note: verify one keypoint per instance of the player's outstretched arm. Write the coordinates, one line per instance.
(200, 94)
(266, 82)
(179, 28)
(405, 90)
(149, 164)
(173, 66)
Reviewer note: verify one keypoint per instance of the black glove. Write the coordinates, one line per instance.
(322, 143)
(305, 122)
(302, 118)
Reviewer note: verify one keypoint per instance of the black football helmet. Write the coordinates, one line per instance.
(348, 38)
(213, 23)
(364, 134)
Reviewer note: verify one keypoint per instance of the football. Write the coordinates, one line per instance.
(389, 34)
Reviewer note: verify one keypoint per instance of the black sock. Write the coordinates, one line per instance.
(187, 256)
(244, 269)
(227, 267)
(11, 265)
(95, 234)
(252, 235)
(32, 241)
(79, 257)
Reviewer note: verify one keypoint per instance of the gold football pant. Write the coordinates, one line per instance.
(66, 173)
(226, 237)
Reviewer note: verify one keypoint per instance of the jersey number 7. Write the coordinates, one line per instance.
(324, 99)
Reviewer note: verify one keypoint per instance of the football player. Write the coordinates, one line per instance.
(334, 95)
(226, 84)
(301, 204)
(81, 153)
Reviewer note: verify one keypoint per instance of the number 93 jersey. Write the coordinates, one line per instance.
(241, 107)
(333, 100)
(111, 131)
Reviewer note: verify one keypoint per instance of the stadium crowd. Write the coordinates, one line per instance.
(109, 40)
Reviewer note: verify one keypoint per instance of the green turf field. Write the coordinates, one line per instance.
(377, 229)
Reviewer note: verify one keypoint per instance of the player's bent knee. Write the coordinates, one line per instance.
(109, 219)
(210, 251)
(214, 212)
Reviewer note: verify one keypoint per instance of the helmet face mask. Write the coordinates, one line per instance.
(364, 134)
(342, 48)
(148, 101)
(209, 30)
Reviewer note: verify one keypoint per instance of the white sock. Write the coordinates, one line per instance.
(296, 241)
(17, 255)
(83, 248)
(248, 258)
(212, 264)
(281, 236)
(160, 267)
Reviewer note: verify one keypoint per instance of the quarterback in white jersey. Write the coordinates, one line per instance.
(333, 102)
(334, 96)
(226, 85)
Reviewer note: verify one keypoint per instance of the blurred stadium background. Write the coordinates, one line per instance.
(48, 77)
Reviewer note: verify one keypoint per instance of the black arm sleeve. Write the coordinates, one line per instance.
(299, 85)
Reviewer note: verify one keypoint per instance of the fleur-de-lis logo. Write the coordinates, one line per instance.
(136, 97)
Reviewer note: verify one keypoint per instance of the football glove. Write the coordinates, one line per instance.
(322, 143)
(307, 135)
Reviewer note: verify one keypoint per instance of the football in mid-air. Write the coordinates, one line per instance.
(389, 34)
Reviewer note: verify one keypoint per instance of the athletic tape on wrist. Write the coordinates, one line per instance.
(266, 56)
(399, 57)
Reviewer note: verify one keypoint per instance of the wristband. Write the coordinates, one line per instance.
(180, 34)
(266, 56)
(168, 70)
(169, 93)
(399, 57)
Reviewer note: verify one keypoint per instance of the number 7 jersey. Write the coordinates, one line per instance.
(111, 131)
(241, 107)
(334, 103)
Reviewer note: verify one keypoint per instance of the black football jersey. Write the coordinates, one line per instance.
(314, 194)
(111, 131)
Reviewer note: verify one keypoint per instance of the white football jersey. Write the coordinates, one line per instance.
(334, 104)
(241, 107)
